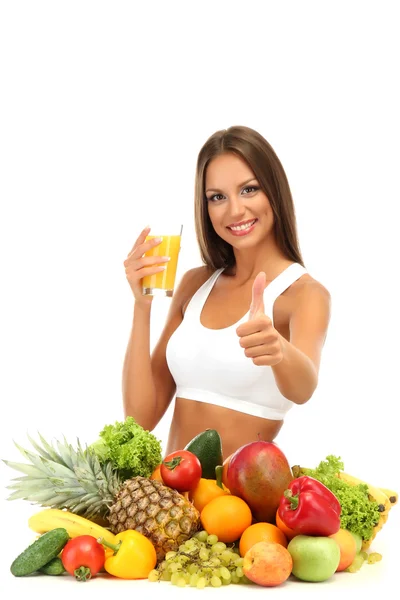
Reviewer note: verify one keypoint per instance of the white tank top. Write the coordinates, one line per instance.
(209, 365)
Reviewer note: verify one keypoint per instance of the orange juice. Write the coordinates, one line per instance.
(165, 280)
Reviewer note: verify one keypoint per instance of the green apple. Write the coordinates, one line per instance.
(358, 539)
(314, 558)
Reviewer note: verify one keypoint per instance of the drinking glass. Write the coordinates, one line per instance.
(163, 283)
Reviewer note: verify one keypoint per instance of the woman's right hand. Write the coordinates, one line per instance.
(138, 266)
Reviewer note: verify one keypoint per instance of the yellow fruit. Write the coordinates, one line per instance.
(51, 518)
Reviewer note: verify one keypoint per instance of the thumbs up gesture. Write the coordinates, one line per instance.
(259, 338)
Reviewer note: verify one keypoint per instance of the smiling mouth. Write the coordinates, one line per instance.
(243, 227)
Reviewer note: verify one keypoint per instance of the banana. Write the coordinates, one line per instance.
(367, 543)
(298, 471)
(382, 520)
(374, 493)
(392, 495)
(51, 518)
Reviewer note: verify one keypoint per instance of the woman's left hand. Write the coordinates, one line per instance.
(259, 338)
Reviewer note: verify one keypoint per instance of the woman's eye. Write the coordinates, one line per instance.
(215, 197)
(251, 187)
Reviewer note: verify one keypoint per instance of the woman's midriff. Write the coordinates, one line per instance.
(235, 428)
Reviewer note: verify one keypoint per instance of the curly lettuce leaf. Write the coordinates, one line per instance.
(132, 450)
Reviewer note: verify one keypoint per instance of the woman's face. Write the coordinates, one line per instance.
(239, 210)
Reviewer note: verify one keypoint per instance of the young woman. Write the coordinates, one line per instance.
(243, 338)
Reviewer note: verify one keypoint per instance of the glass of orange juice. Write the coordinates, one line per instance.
(162, 284)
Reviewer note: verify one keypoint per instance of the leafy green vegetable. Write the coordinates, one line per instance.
(132, 450)
(359, 514)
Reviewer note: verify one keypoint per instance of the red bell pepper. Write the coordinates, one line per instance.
(310, 508)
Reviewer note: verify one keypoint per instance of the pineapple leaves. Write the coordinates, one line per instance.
(71, 478)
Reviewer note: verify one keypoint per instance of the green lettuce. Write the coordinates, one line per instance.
(359, 514)
(132, 450)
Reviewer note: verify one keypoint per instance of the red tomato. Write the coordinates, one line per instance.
(83, 557)
(181, 470)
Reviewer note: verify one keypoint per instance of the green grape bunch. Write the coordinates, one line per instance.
(199, 562)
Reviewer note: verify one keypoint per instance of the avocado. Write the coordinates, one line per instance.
(207, 446)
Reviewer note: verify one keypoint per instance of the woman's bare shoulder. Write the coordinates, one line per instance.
(308, 289)
(307, 282)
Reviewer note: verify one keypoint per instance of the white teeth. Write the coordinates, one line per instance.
(241, 227)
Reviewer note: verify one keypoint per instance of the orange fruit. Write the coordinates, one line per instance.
(261, 532)
(205, 491)
(289, 533)
(348, 548)
(156, 474)
(226, 517)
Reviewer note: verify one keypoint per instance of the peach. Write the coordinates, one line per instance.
(267, 563)
(348, 548)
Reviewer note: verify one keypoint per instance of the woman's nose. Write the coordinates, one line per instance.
(236, 206)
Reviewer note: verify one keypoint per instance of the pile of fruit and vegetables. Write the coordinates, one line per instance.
(117, 508)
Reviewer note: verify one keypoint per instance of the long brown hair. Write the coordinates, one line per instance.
(266, 166)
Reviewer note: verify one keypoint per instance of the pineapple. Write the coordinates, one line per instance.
(74, 479)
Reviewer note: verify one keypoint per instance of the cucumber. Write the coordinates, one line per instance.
(53, 567)
(42, 551)
(207, 446)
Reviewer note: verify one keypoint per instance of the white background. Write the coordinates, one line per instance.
(103, 109)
